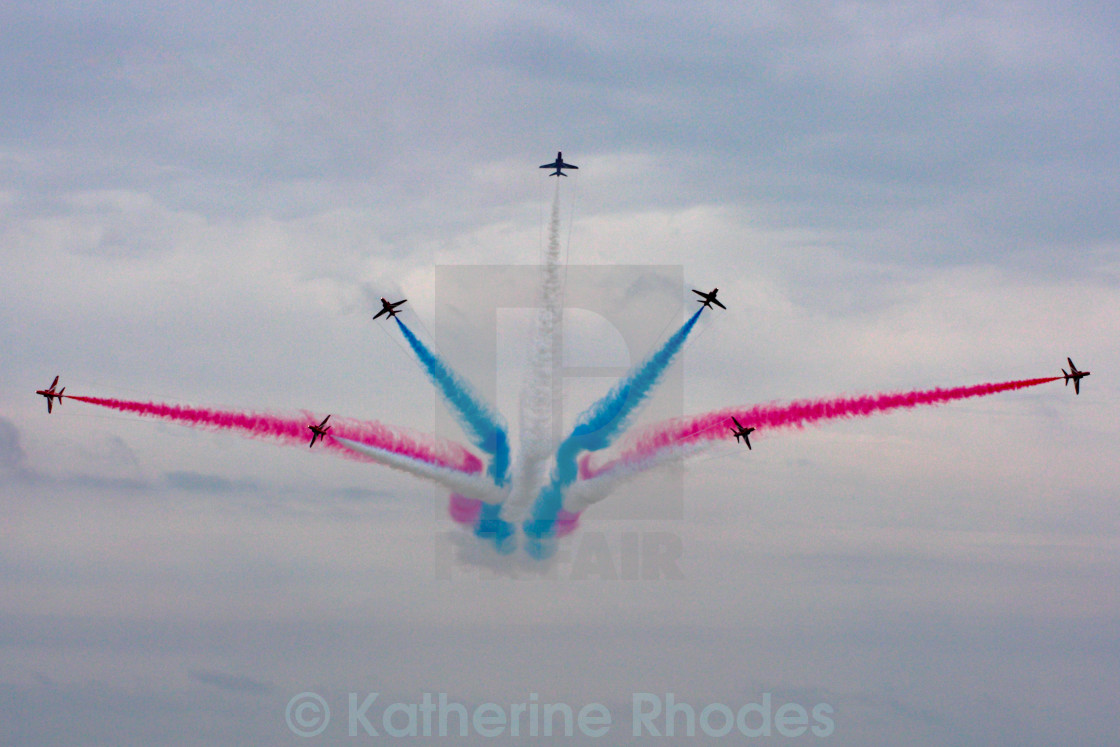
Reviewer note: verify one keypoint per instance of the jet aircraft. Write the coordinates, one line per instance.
(558, 164)
(708, 298)
(319, 431)
(739, 430)
(389, 308)
(1075, 375)
(51, 394)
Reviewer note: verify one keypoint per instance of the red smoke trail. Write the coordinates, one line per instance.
(715, 425)
(291, 430)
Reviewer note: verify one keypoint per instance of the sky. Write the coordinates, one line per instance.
(202, 204)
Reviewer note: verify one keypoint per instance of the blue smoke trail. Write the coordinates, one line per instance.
(595, 429)
(483, 427)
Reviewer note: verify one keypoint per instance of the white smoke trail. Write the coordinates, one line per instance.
(586, 492)
(536, 393)
(477, 486)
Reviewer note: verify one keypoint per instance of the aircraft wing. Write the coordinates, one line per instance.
(552, 165)
(717, 303)
(1077, 386)
(379, 313)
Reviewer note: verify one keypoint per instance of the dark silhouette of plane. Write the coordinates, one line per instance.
(559, 164)
(51, 394)
(708, 298)
(1075, 375)
(389, 308)
(739, 430)
(319, 431)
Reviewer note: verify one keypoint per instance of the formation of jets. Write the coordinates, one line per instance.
(558, 164)
(318, 431)
(51, 394)
(739, 430)
(389, 308)
(1075, 375)
(708, 299)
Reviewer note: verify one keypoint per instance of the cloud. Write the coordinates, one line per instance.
(12, 456)
(354, 493)
(231, 682)
(199, 482)
(201, 203)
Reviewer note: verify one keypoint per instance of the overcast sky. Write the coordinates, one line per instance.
(202, 204)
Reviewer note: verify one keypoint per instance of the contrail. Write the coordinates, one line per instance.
(436, 452)
(470, 485)
(595, 429)
(484, 426)
(485, 429)
(675, 439)
(536, 393)
(595, 484)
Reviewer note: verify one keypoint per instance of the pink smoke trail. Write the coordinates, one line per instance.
(465, 510)
(642, 447)
(294, 431)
